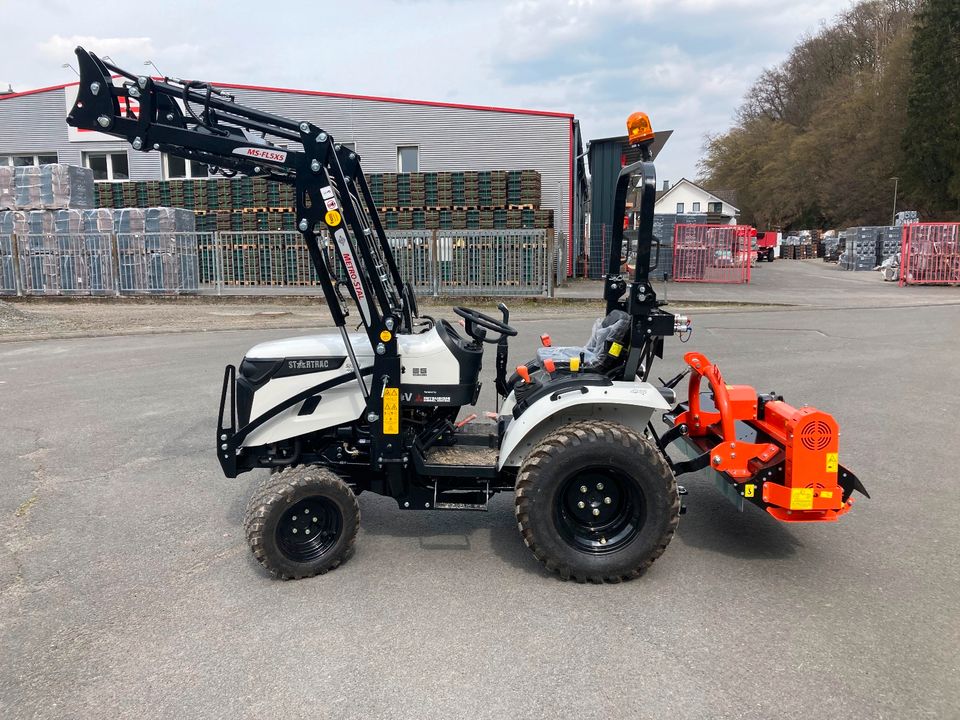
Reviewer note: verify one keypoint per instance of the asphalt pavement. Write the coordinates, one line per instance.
(127, 589)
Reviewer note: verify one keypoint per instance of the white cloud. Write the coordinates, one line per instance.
(60, 48)
(687, 62)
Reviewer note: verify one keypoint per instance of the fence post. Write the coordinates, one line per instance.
(18, 281)
(434, 263)
(550, 256)
(115, 262)
(217, 263)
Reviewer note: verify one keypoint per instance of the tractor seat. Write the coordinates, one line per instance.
(614, 328)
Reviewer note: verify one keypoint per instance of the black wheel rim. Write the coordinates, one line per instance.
(309, 529)
(599, 510)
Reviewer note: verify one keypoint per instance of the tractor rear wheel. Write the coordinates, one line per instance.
(301, 522)
(596, 502)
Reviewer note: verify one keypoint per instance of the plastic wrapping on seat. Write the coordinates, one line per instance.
(605, 329)
(565, 354)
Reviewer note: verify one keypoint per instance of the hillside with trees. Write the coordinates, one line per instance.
(872, 96)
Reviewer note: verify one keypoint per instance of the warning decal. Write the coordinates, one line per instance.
(801, 498)
(833, 462)
(391, 411)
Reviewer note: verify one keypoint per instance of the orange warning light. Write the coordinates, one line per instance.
(639, 129)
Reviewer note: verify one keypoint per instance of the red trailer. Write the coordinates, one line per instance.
(766, 242)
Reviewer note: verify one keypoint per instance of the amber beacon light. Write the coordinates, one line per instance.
(639, 129)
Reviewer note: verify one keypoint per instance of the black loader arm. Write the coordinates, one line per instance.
(197, 121)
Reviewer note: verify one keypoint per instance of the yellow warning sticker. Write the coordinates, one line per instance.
(828, 494)
(391, 411)
(615, 349)
(749, 490)
(385, 336)
(332, 218)
(833, 462)
(801, 498)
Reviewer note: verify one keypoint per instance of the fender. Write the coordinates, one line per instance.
(629, 403)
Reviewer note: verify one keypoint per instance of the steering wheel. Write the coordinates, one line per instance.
(476, 324)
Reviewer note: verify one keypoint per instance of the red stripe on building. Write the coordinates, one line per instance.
(343, 96)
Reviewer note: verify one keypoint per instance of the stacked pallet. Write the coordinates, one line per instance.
(803, 250)
(489, 200)
(71, 250)
(46, 187)
(866, 247)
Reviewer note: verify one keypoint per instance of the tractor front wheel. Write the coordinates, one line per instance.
(302, 522)
(596, 502)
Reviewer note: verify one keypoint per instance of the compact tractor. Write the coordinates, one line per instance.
(339, 413)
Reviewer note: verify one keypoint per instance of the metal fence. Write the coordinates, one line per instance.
(435, 262)
(92, 263)
(9, 272)
(712, 253)
(595, 264)
(930, 254)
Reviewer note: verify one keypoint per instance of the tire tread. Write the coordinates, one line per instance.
(564, 439)
(274, 492)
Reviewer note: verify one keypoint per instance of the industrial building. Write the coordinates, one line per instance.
(391, 135)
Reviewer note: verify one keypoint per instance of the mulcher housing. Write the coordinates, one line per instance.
(336, 414)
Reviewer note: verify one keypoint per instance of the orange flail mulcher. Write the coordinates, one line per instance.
(781, 458)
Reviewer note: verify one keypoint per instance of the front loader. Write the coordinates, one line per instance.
(335, 414)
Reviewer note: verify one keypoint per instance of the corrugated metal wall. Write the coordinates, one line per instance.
(36, 123)
(605, 163)
(449, 138)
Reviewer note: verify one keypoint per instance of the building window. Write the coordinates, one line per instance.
(714, 207)
(24, 160)
(175, 168)
(108, 167)
(695, 208)
(679, 208)
(408, 158)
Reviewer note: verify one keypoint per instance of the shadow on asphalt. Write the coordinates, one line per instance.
(712, 523)
(452, 531)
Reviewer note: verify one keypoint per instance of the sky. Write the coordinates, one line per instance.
(687, 63)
